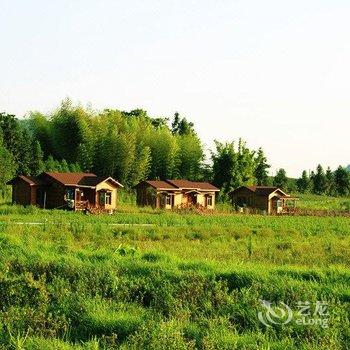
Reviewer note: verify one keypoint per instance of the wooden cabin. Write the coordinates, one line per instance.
(271, 200)
(170, 194)
(76, 191)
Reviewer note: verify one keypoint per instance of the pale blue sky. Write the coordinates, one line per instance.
(276, 73)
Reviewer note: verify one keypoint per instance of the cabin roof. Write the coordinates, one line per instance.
(31, 180)
(93, 181)
(264, 191)
(181, 184)
(186, 184)
(81, 179)
(66, 179)
(158, 184)
(69, 179)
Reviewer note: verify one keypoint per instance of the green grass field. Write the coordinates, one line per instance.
(313, 201)
(144, 279)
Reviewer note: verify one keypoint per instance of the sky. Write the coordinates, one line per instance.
(274, 72)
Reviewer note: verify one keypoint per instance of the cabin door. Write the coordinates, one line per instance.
(277, 205)
(192, 198)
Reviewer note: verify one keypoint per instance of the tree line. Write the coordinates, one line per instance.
(331, 183)
(132, 146)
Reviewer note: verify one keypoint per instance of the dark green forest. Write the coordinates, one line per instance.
(132, 146)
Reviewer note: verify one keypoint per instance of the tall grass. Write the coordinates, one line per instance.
(145, 279)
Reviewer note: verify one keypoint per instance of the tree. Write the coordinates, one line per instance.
(17, 140)
(330, 186)
(74, 168)
(84, 157)
(190, 156)
(181, 126)
(261, 167)
(303, 183)
(70, 128)
(141, 166)
(292, 185)
(50, 164)
(246, 164)
(232, 168)
(64, 167)
(224, 160)
(280, 180)
(37, 165)
(164, 154)
(7, 167)
(319, 181)
(41, 129)
(342, 181)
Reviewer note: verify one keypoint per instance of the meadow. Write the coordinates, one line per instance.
(149, 279)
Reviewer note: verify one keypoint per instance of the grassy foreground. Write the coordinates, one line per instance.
(143, 279)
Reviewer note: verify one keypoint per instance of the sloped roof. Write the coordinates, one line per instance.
(264, 191)
(160, 184)
(93, 181)
(31, 180)
(81, 179)
(205, 186)
(181, 184)
(66, 179)
(69, 179)
(193, 185)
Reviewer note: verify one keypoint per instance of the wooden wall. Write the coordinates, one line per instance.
(146, 195)
(55, 193)
(23, 193)
(105, 186)
(253, 200)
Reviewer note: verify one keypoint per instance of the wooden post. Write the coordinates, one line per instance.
(44, 200)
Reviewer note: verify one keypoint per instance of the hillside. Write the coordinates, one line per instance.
(317, 202)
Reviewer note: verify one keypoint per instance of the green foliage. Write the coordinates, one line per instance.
(17, 141)
(7, 167)
(132, 146)
(181, 126)
(37, 165)
(342, 181)
(303, 183)
(155, 280)
(280, 180)
(232, 168)
(129, 146)
(319, 181)
(261, 167)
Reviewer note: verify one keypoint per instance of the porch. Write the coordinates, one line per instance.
(283, 204)
(83, 198)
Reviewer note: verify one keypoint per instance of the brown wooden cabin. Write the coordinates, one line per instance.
(76, 191)
(170, 194)
(271, 200)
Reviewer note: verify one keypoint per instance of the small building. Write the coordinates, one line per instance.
(271, 200)
(170, 194)
(76, 191)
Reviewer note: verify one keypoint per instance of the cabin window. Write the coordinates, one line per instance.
(105, 198)
(102, 198)
(108, 198)
(210, 200)
(70, 194)
(168, 200)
